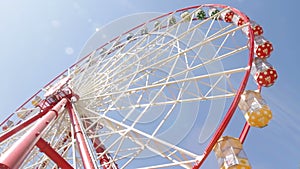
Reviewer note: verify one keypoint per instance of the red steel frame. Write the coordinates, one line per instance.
(105, 161)
(236, 100)
(52, 154)
(16, 154)
(22, 125)
(33, 138)
(81, 142)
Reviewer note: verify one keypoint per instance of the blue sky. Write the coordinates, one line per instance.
(40, 39)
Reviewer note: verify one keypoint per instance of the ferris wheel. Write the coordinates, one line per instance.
(159, 95)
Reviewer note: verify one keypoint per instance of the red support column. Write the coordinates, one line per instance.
(22, 125)
(244, 132)
(16, 154)
(52, 154)
(81, 142)
(105, 159)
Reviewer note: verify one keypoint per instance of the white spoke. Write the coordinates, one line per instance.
(145, 97)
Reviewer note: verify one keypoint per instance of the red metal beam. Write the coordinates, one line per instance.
(105, 160)
(235, 102)
(81, 142)
(16, 154)
(52, 154)
(22, 125)
(244, 132)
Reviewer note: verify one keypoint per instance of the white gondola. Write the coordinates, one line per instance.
(186, 16)
(227, 15)
(230, 154)
(256, 112)
(263, 72)
(262, 47)
(213, 12)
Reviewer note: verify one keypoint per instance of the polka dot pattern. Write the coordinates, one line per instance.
(263, 50)
(257, 30)
(266, 77)
(241, 22)
(201, 14)
(227, 16)
(228, 152)
(259, 118)
(213, 12)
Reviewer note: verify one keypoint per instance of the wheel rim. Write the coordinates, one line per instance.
(163, 72)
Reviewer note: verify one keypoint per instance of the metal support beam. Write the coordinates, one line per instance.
(105, 160)
(244, 132)
(81, 142)
(17, 153)
(22, 125)
(52, 154)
